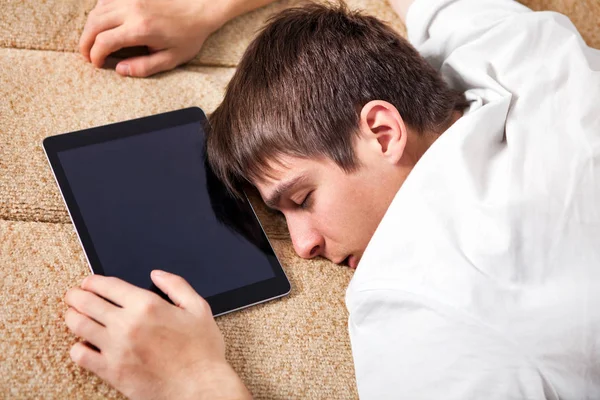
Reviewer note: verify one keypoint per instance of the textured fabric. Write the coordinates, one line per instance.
(297, 347)
(57, 24)
(46, 93)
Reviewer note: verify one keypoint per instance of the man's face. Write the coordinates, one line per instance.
(334, 214)
(330, 213)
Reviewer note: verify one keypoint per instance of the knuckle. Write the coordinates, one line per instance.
(205, 307)
(69, 318)
(75, 297)
(82, 46)
(142, 28)
(141, 70)
(177, 280)
(85, 282)
(83, 300)
(149, 305)
(85, 33)
(81, 323)
(110, 281)
(91, 26)
(92, 14)
(77, 355)
(92, 18)
(102, 39)
(75, 322)
(69, 295)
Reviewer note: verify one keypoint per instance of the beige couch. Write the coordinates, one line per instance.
(297, 347)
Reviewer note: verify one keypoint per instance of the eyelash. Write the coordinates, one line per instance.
(304, 204)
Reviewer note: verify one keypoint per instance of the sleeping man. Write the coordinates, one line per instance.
(458, 172)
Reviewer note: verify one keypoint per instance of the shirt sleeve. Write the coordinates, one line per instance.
(407, 348)
(442, 19)
(538, 58)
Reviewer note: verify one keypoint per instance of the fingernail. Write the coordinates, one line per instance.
(158, 272)
(123, 69)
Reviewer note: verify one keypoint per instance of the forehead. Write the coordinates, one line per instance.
(281, 168)
(285, 169)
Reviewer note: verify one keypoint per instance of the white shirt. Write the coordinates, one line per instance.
(483, 279)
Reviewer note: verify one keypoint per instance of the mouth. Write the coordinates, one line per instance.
(350, 261)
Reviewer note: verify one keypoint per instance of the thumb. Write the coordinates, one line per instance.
(180, 292)
(143, 66)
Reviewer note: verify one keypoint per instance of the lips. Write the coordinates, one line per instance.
(339, 261)
(352, 262)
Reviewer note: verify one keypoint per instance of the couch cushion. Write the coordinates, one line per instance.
(46, 93)
(295, 347)
(57, 24)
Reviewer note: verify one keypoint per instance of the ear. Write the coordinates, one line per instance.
(381, 124)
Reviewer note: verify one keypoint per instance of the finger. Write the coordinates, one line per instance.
(144, 66)
(85, 327)
(109, 41)
(90, 304)
(113, 289)
(89, 359)
(180, 292)
(97, 23)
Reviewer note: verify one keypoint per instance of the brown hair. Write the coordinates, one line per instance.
(302, 82)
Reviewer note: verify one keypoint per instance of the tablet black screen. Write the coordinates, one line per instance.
(146, 205)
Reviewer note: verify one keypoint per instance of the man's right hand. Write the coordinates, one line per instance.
(147, 348)
(173, 30)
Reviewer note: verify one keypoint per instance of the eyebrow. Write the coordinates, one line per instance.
(273, 200)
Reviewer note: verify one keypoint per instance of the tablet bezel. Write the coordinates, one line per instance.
(222, 303)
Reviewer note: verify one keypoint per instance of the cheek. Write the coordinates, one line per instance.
(364, 210)
(346, 216)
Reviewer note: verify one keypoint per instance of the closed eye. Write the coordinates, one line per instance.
(306, 202)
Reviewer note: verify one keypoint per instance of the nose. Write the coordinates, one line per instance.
(307, 241)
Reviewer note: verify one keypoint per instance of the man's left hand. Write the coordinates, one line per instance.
(149, 348)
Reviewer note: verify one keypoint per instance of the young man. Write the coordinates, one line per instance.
(470, 198)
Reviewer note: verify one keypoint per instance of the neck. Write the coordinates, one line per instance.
(417, 145)
(420, 143)
(456, 114)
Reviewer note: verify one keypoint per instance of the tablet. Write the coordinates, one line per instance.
(141, 196)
